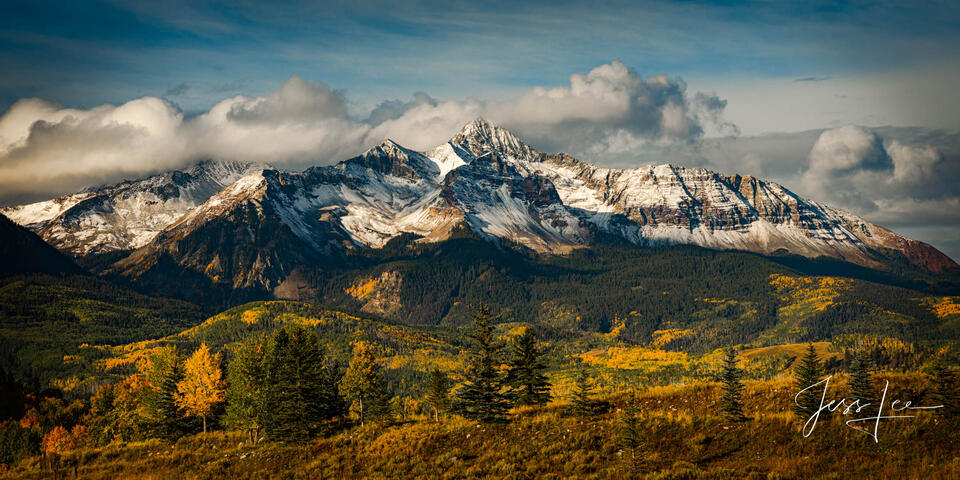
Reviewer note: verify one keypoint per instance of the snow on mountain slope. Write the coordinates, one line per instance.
(126, 215)
(484, 179)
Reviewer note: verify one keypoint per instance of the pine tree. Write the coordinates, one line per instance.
(481, 397)
(946, 388)
(438, 392)
(299, 397)
(363, 384)
(246, 376)
(162, 371)
(861, 387)
(202, 386)
(731, 404)
(583, 404)
(528, 385)
(631, 437)
(808, 373)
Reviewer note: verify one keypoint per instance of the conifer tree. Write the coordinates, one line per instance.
(481, 396)
(438, 393)
(163, 371)
(298, 392)
(583, 404)
(946, 388)
(528, 385)
(861, 387)
(364, 385)
(631, 437)
(808, 373)
(202, 386)
(731, 403)
(246, 376)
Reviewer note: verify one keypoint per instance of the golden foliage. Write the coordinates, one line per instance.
(803, 296)
(663, 337)
(632, 358)
(944, 306)
(202, 386)
(250, 317)
(362, 288)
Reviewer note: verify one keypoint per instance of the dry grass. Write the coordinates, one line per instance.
(684, 439)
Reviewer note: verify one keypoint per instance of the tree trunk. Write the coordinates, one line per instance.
(360, 401)
(204, 424)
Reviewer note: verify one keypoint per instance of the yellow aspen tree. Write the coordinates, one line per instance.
(202, 386)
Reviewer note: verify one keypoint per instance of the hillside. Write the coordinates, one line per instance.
(21, 251)
(723, 297)
(683, 439)
(44, 321)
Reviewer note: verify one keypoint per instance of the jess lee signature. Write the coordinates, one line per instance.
(896, 407)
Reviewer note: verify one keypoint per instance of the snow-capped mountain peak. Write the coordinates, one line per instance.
(482, 137)
(128, 214)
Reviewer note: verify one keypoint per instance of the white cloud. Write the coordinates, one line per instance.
(611, 110)
(913, 164)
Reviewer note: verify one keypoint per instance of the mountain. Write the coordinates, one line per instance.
(258, 231)
(22, 251)
(270, 231)
(127, 215)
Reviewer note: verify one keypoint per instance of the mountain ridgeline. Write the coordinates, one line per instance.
(407, 234)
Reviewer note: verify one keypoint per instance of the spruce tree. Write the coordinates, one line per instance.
(861, 387)
(481, 396)
(438, 392)
(583, 404)
(169, 424)
(631, 437)
(298, 396)
(247, 377)
(528, 385)
(364, 385)
(163, 370)
(946, 389)
(731, 404)
(808, 373)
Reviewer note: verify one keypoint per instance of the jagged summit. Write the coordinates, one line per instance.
(482, 137)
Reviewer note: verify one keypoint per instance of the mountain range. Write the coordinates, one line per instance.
(255, 228)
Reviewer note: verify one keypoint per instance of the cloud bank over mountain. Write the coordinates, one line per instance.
(45, 148)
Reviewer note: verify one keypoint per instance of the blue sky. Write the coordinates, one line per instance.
(84, 53)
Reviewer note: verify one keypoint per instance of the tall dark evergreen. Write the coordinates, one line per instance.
(583, 403)
(807, 373)
(246, 378)
(298, 399)
(945, 389)
(365, 385)
(164, 371)
(731, 402)
(528, 385)
(438, 393)
(631, 437)
(481, 398)
(861, 386)
(170, 424)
